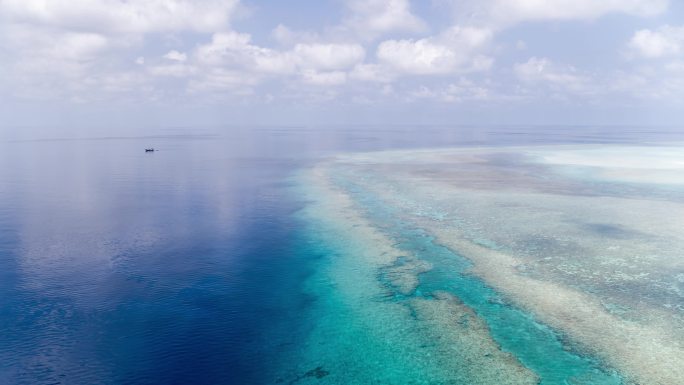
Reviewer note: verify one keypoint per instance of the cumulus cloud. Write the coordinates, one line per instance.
(365, 21)
(30, 42)
(455, 50)
(329, 56)
(178, 70)
(505, 13)
(119, 16)
(372, 18)
(232, 53)
(544, 78)
(545, 72)
(331, 78)
(462, 90)
(56, 48)
(234, 49)
(664, 83)
(50, 65)
(84, 49)
(288, 37)
(372, 73)
(666, 41)
(176, 56)
(220, 80)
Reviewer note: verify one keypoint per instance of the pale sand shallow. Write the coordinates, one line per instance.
(648, 355)
(415, 334)
(645, 343)
(461, 333)
(654, 165)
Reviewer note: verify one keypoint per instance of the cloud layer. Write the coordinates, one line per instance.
(377, 51)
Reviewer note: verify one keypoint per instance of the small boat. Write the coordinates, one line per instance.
(149, 150)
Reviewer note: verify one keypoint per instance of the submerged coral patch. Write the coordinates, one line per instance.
(585, 240)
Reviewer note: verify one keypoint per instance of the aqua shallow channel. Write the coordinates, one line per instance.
(537, 346)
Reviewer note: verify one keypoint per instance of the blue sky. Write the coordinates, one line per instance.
(182, 62)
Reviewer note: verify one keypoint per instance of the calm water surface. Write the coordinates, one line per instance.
(184, 265)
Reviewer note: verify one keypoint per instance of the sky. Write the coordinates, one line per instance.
(235, 62)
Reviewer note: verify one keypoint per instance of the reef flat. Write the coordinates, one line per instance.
(369, 325)
(583, 243)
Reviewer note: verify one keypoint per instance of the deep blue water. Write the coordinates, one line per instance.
(180, 266)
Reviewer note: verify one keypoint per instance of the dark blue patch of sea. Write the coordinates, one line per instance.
(184, 265)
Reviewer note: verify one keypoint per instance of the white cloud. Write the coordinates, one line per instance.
(231, 53)
(117, 16)
(675, 67)
(543, 78)
(664, 83)
(235, 50)
(504, 13)
(78, 45)
(287, 37)
(542, 71)
(372, 18)
(332, 78)
(27, 42)
(120, 82)
(273, 62)
(86, 48)
(329, 56)
(460, 91)
(220, 80)
(666, 41)
(222, 47)
(57, 48)
(366, 20)
(455, 50)
(372, 73)
(49, 65)
(176, 56)
(418, 57)
(179, 70)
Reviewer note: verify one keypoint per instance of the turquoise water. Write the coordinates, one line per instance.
(198, 264)
(537, 346)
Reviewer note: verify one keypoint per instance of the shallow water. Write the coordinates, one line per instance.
(578, 276)
(534, 344)
(195, 264)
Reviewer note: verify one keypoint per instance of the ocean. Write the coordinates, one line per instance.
(201, 262)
